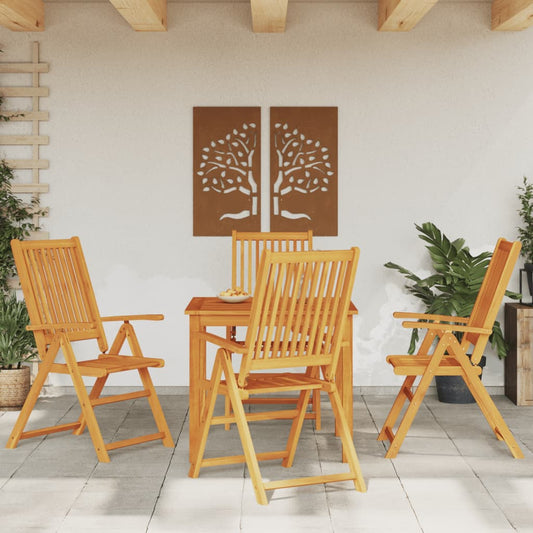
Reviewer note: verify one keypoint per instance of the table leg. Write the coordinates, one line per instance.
(197, 376)
(345, 376)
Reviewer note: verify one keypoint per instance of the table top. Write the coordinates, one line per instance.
(211, 305)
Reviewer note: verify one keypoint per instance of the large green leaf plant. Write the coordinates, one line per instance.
(453, 286)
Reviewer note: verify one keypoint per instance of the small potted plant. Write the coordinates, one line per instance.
(17, 345)
(525, 232)
(451, 290)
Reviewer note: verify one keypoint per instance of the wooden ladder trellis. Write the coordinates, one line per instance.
(35, 116)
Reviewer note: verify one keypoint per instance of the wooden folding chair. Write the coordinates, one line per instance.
(62, 309)
(298, 314)
(246, 250)
(443, 352)
(247, 247)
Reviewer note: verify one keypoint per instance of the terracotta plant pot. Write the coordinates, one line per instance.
(14, 387)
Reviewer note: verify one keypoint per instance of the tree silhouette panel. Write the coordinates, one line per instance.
(227, 165)
(303, 169)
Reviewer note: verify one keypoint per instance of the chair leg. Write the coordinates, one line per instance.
(227, 411)
(85, 403)
(128, 332)
(493, 416)
(347, 440)
(231, 334)
(409, 416)
(207, 416)
(316, 410)
(244, 430)
(33, 395)
(155, 406)
(404, 394)
(93, 395)
(296, 428)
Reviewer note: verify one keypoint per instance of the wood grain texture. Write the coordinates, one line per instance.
(511, 15)
(22, 15)
(519, 360)
(143, 15)
(269, 16)
(402, 15)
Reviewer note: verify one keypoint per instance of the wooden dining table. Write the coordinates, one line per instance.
(206, 312)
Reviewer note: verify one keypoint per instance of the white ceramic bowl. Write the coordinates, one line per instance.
(234, 299)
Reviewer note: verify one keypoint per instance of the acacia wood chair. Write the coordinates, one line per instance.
(247, 247)
(297, 318)
(63, 310)
(246, 250)
(444, 353)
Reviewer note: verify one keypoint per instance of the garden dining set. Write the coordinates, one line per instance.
(287, 343)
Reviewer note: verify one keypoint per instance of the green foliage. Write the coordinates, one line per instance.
(15, 223)
(525, 232)
(17, 345)
(453, 287)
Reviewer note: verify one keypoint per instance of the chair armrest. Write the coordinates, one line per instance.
(424, 316)
(127, 318)
(233, 346)
(447, 327)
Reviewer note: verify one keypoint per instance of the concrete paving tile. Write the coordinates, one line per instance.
(59, 467)
(449, 456)
(431, 466)
(427, 446)
(459, 493)
(88, 521)
(384, 506)
(520, 515)
(464, 521)
(130, 469)
(180, 520)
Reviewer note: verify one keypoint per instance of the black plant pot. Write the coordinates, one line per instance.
(453, 389)
(528, 267)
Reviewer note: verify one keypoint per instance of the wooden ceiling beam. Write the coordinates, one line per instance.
(402, 15)
(512, 15)
(269, 16)
(143, 15)
(22, 15)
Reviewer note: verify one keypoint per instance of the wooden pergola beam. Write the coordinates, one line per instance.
(512, 15)
(22, 15)
(402, 15)
(143, 15)
(269, 16)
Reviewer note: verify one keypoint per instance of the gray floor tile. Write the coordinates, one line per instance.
(449, 456)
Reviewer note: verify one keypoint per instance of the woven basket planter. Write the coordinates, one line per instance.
(14, 387)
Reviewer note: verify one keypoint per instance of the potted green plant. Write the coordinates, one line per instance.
(525, 231)
(451, 289)
(17, 345)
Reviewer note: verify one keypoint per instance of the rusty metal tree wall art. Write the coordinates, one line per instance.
(226, 169)
(303, 169)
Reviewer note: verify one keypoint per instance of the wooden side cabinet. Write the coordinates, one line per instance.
(519, 360)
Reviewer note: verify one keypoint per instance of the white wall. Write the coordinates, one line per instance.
(434, 124)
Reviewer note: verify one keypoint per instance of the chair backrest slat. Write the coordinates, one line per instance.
(491, 293)
(247, 247)
(57, 290)
(299, 310)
